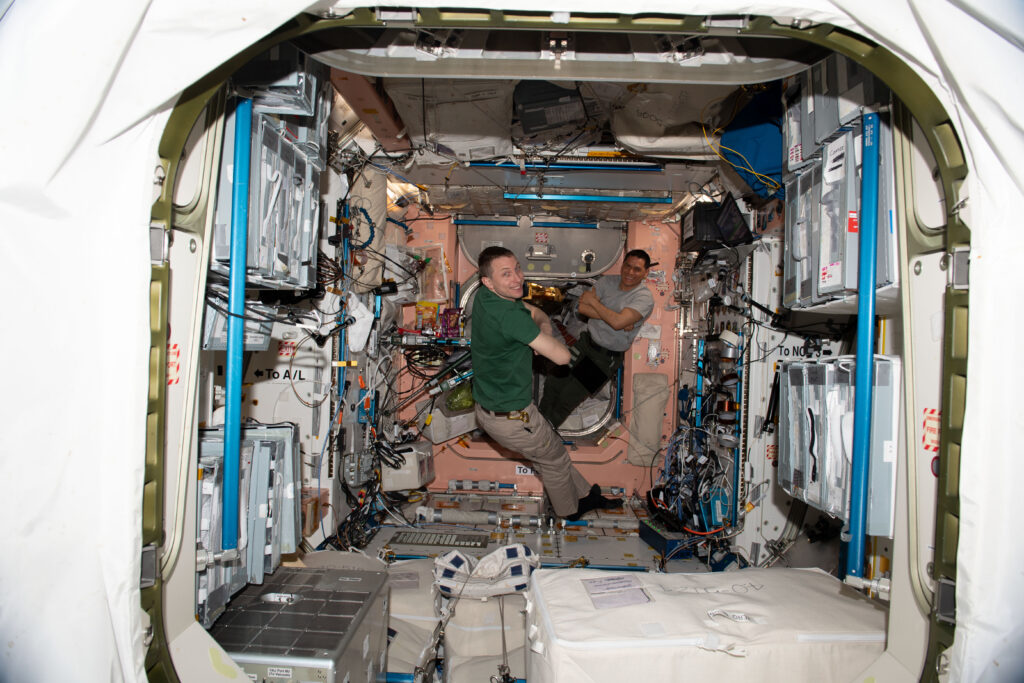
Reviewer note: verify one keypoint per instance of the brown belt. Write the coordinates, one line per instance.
(510, 414)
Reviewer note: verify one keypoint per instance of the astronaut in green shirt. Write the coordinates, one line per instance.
(506, 332)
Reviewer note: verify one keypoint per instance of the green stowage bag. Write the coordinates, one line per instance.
(460, 398)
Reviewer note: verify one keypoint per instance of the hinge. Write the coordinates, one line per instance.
(147, 575)
(945, 601)
(159, 243)
(740, 22)
(960, 270)
(400, 16)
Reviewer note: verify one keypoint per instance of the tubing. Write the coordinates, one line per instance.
(736, 455)
(865, 371)
(236, 322)
(452, 516)
(698, 402)
(482, 485)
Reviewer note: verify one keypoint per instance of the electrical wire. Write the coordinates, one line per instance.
(291, 377)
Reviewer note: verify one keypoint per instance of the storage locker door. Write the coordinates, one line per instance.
(887, 268)
(797, 431)
(785, 441)
(826, 103)
(804, 247)
(791, 266)
(834, 248)
(809, 146)
(884, 439)
(817, 435)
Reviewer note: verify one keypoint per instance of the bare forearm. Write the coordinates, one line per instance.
(541, 319)
(552, 349)
(619, 320)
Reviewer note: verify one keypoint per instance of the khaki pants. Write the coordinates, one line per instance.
(540, 444)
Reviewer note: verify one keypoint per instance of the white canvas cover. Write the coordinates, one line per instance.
(87, 89)
(459, 669)
(475, 627)
(415, 614)
(766, 625)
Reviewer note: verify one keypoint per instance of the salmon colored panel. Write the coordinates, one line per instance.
(478, 459)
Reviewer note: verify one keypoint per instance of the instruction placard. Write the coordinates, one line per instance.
(615, 591)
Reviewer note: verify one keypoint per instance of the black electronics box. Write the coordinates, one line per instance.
(664, 541)
(543, 107)
(708, 226)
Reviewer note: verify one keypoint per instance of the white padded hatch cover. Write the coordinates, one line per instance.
(751, 625)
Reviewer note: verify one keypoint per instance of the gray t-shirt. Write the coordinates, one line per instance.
(639, 299)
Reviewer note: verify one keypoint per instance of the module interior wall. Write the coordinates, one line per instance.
(478, 459)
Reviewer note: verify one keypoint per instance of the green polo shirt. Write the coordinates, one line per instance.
(502, 359)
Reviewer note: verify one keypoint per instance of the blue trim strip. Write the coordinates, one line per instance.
(590, 198)
(575, 166)
(480, 221)
(865, 371)
(618, 392)
(548, 224)
(236, 323)
(513, 224)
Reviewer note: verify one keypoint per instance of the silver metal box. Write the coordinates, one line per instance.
(309, 625)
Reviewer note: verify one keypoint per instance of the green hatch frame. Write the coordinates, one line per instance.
(917, 99)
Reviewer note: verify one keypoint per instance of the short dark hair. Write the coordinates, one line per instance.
(640, 254)
(483, 261)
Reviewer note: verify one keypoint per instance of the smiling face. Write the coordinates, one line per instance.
(506, 278)
(633, 272)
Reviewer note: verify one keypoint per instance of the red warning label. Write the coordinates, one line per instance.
(173, 364)
(852, 222)
(930, 429)
(286, 349)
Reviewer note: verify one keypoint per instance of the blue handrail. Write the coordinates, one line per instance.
(236, 322)
(865, 371)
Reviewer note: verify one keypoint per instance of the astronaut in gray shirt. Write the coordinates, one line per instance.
(616, 308)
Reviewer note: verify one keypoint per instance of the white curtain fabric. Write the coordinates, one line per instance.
(87, 88)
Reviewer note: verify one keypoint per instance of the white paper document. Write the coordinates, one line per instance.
(615, 591)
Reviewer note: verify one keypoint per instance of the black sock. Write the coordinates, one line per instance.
(600, 502)
(593, 501)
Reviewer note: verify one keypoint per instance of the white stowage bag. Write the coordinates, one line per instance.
(753, 625)
(459, 669)
(486, 604)
(476, 626)
(415, 615)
